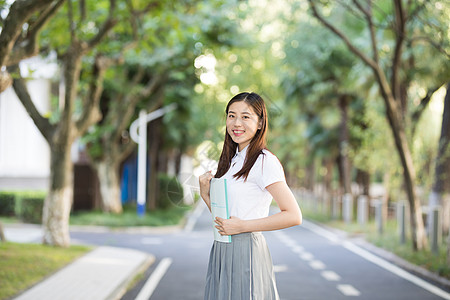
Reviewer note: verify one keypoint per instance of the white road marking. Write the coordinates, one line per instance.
(306, 256)
(378, 261)
(152, 282)
(281, 234)
(396, 270)
(298, 249)
(320, 231)
(280, 268)
(151, 241)
(348, 290)
(330, 276)
(290, 243)
(194, 217)
(317, 265)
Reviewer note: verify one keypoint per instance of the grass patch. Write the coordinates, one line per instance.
(390, 241)
(22, 265)
(129, 217)
(9, 220)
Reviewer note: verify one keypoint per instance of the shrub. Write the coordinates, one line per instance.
(29, 205)
(7, 204)
(170, 192)
(31, 209)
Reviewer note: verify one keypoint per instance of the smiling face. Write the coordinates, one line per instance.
(242, 123)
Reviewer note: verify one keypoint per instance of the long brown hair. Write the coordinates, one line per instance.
(257, 144)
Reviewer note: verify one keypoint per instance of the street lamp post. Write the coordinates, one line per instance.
(141, 139)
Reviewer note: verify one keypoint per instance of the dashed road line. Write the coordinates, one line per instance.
(378, 261)
(152, 282)
(280, 268)
(317, 265)
(348, 290)
(298, 249)
(306, 256)
(330, 276)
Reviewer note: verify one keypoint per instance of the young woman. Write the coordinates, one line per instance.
(243, 268)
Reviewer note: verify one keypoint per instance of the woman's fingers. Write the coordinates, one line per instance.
(220, 229)
(205, 178)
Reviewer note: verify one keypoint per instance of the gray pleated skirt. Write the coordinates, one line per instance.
(241, 270)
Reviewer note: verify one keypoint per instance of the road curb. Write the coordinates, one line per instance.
(133, 229)
(105, 273)
(120, 291)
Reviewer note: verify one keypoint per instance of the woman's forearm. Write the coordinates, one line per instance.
(207, 201)
(204, 182)
(283, 219)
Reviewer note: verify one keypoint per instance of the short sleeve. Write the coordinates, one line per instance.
(271, 171)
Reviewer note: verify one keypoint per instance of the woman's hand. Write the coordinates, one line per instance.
(204, 181)
(230, 226)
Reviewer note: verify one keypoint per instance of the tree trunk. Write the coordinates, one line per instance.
(58, 202)
(71, 125)
(441, 186)
(391, 96)
(59, 199)
(178, 156)
(327, 178)
(310, 172)
(442, 170)
(344, 144)
(363, 180)
(448, 249)
(108, 174)
(328, 193)
(386, 196)
(2, 234)
(153, 150)
(409, 173)
(163, 161)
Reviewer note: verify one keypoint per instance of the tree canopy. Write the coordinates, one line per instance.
(347, 83)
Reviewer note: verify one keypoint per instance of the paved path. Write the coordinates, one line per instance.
(310, 261)
(102, 274)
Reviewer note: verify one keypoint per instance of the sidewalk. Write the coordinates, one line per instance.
(102, 274)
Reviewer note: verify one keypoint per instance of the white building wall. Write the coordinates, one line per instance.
(24, 153)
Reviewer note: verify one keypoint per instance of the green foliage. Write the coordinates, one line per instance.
(366, 157)
(318, 70)
(170, 191)
(25, 205)
(7, 203)
(86, 24)
(170, 38)
(301, 74)
(160, 217)
(31, 209)
(425, 259)
(318, 67)
(426, 140)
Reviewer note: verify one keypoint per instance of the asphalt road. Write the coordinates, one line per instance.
(310, 263)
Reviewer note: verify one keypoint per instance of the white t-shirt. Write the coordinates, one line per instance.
(250, 199)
